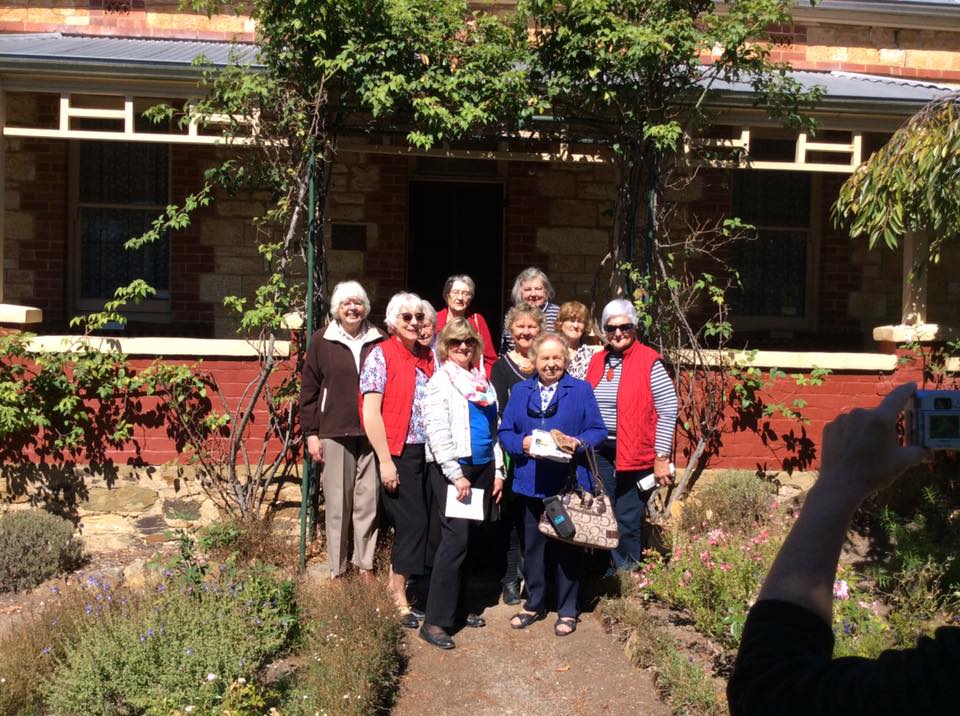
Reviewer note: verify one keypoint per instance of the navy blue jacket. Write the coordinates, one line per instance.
(576, 415)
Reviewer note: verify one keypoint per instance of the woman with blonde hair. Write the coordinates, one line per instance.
(461, 415)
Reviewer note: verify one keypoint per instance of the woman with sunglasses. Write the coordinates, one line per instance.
(461, 414)
(552, 400)
(393, 383)
(458, 293)
(639, 407)
(524, 323)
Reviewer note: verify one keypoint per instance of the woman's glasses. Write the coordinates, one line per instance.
(469, 342)
(460, 294)
(408, 317)
(622, 327)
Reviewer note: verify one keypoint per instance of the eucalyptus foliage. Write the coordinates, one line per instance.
(912, 183)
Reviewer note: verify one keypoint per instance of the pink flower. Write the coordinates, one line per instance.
(705, 556)
(715, 536)
(725, 567)
(841, 590)
(688, 574)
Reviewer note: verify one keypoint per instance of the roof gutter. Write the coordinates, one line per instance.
(906, 16)
(104, 69)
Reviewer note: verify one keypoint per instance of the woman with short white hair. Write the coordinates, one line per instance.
(330, 422)
(459, 291)
(533, 287)
(393, 383)
(639, 407)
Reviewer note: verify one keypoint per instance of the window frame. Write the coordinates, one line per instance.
(810, 320)
(154, 310)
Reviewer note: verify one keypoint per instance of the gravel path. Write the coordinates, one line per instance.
(528, 672)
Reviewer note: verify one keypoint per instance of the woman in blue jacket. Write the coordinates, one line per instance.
(552, 400)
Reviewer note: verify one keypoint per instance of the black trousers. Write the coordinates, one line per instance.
(452, 564)
(543, 556)
(435, 479)
(406, 509)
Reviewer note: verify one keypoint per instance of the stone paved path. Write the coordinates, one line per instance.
(529, 672)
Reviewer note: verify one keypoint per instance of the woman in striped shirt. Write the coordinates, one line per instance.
(639, 407)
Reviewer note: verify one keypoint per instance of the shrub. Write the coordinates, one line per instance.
(187, 644)
(34, 546)
(31, 650)
(353, 651)
(737, 500)
(250, 542)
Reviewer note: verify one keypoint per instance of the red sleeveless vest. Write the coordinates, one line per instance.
(399, 390)
(636, 416)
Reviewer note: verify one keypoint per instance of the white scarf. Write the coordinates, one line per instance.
(471, 384)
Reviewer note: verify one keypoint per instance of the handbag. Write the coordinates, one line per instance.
(591, 513)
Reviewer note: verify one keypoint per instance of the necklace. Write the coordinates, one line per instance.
(612, 367)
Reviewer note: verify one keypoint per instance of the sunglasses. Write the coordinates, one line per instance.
(623, 328)
(462, 341)
(407, 317)
(548, 413)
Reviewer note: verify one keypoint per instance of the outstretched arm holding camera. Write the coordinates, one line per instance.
(784, 665)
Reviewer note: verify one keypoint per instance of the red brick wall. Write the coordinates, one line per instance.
(769, 444)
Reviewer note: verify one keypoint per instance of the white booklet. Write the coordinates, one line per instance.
(543, 445)
(472, 509)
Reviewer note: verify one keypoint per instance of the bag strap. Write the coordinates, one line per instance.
(591, 456)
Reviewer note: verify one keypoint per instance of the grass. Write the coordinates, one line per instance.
(685, 686)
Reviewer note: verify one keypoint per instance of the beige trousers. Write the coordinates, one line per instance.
(350, 489)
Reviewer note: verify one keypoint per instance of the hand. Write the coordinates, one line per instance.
(463, 489)
(860, 453)
(497, 491)
(661, 470)
(526, 444)
(315, 448)
(389, 476)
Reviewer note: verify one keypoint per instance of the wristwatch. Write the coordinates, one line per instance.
(662, 456)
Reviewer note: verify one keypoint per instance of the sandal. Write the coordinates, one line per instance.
(525, 619)
(569, 622)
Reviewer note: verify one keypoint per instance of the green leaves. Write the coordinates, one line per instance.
(910, 184)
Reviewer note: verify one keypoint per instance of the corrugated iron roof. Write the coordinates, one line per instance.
(852, 86)
(57, 49)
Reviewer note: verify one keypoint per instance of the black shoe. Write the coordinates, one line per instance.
(475, 621)
(436, 636)
(409, 620)
(418, 613)
(511, 593)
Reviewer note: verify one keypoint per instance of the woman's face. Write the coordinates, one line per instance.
(572, 329)
(533, 292)
(425, 334)
(409, 320)
(351, 313)
(459, 297)
(524, 329)
(621, 332)
(551, 361)
(461, 351)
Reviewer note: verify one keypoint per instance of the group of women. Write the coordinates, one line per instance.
(405, 420)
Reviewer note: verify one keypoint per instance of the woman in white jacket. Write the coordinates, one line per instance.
(461, 421)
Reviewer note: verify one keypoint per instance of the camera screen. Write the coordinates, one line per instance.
(944, 427)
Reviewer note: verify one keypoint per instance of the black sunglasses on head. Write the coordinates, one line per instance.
(623, 328)
(407, 317)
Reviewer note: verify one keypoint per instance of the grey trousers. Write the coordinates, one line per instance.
(350, 490)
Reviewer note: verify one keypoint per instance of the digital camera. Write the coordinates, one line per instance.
(932, 421)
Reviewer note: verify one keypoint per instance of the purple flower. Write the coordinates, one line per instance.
(142, 638)
(44, 651)
(54, 590)
(87, 609)
(188, 651)
(149, 632)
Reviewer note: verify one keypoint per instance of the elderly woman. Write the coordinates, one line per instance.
(573, 323)
(639, 407)
(461, 410)
(330, 420)
(551, 401)
(393, 383)
(532, 286)
(458, 292)
(524, 323)
(429, 330)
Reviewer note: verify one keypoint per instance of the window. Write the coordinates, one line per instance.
(120, 189)
(776, 267)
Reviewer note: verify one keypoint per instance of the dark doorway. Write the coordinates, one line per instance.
(457, 227)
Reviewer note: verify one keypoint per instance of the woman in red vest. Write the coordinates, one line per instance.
(393, 383)
(458, 292)
(639, 407)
